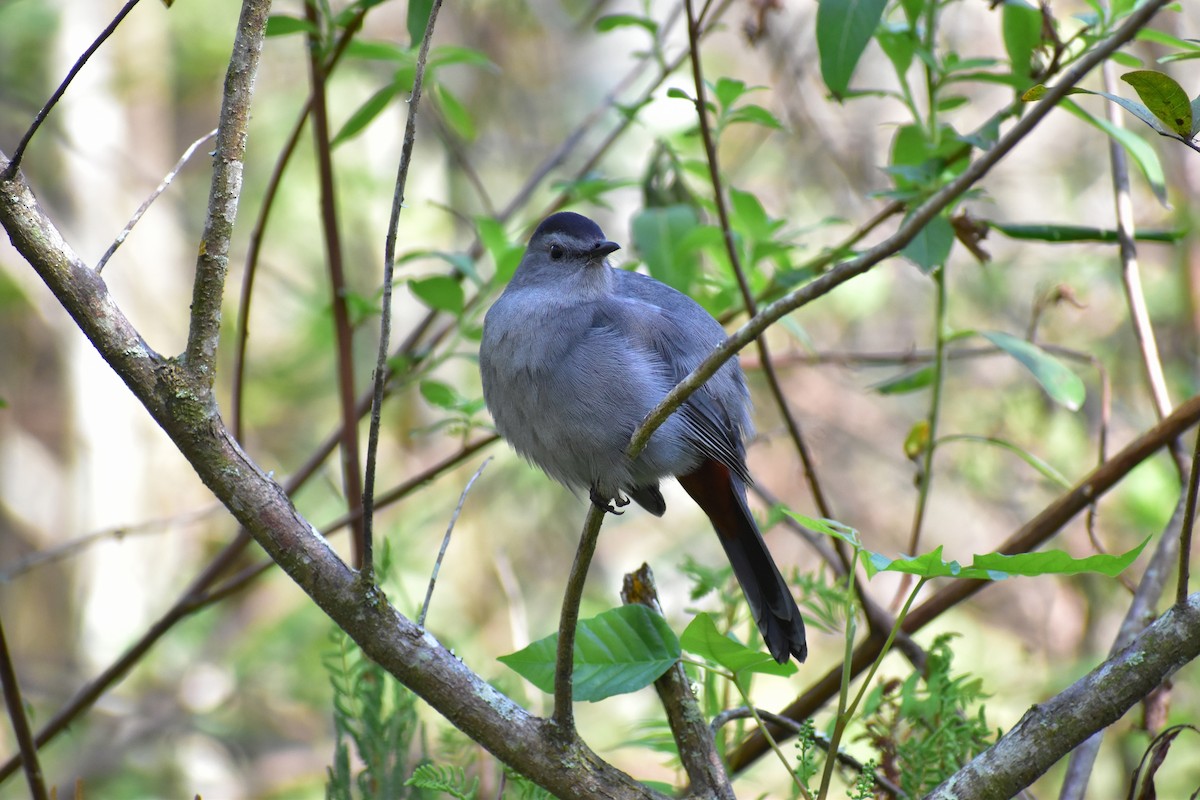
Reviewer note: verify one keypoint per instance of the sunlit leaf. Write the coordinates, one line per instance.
(702, 638)
(1063, 385)
(619, 651)
(1165, 99)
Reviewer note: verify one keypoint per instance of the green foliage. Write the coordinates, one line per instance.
(451, 781)
(619, 651)
(374, 715)
(927, 726)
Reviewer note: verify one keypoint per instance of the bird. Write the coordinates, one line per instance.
(574, 355)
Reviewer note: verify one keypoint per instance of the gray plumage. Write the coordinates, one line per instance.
(575, 354)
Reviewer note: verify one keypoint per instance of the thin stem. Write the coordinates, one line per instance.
(1189, 522)
(145, 206)
(385, 321)
(735, 261)
(437, 564)
(564, 661)
(343, 332)
(10, 170)
(20, 722)
(935, 410)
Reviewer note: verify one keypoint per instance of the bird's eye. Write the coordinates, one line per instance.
(557, 252)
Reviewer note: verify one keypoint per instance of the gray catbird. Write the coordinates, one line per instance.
(576, 353)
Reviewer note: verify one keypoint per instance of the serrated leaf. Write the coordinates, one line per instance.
(365, 114)
(619, 651)
(439, 292)
(844, 27)
(1165, 99)
(702, 638)
(1063, 385)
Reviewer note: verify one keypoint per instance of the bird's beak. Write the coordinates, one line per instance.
(604, 249)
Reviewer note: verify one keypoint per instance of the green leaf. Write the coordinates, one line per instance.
(439, 292)
(417, 19)
(1063, 385)
(619, 651)
(996, 566)
(440, 394)
(906, 382)
(1139, 150)
(749, 216)
(727, 91)
(1056, 562)
(1038, 464)
(844, 27)
(380, 51)
(456, 114)
(657, 237)
(899, 44)
(366, 113)
(702, 638)
(828, 527)
(1022, 25)
(1165, 98)
(611, 22)
(754, 114)
(282, 25)
(505, 255)
(1079, 233)
(932, 245)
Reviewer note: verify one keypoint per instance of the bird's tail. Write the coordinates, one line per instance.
(722, 496)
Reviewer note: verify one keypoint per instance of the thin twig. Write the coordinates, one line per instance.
(847, 760)
(11, 170)
(212, 264)
(437, 564)
(343, 331)
(20, 722)
(145, 206)
(735, 261)
(116, 533)
(564, 662)
(254, 249)
(1189, 522)
(389, 266)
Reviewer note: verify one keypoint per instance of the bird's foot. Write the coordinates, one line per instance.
(606, 505)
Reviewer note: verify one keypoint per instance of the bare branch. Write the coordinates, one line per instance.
(437, 564)
(697, 748)
(1051, 729)
(212, 265)
(145, 206)
(564, 663)
(20, 722)
(385, 319)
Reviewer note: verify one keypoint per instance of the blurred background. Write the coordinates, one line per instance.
(103, 524)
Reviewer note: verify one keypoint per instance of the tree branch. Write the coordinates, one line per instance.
(212, 265)
(1050, 730)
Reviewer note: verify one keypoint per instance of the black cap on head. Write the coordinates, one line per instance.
(577, 226)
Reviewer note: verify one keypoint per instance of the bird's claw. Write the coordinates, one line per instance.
(604, 504)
